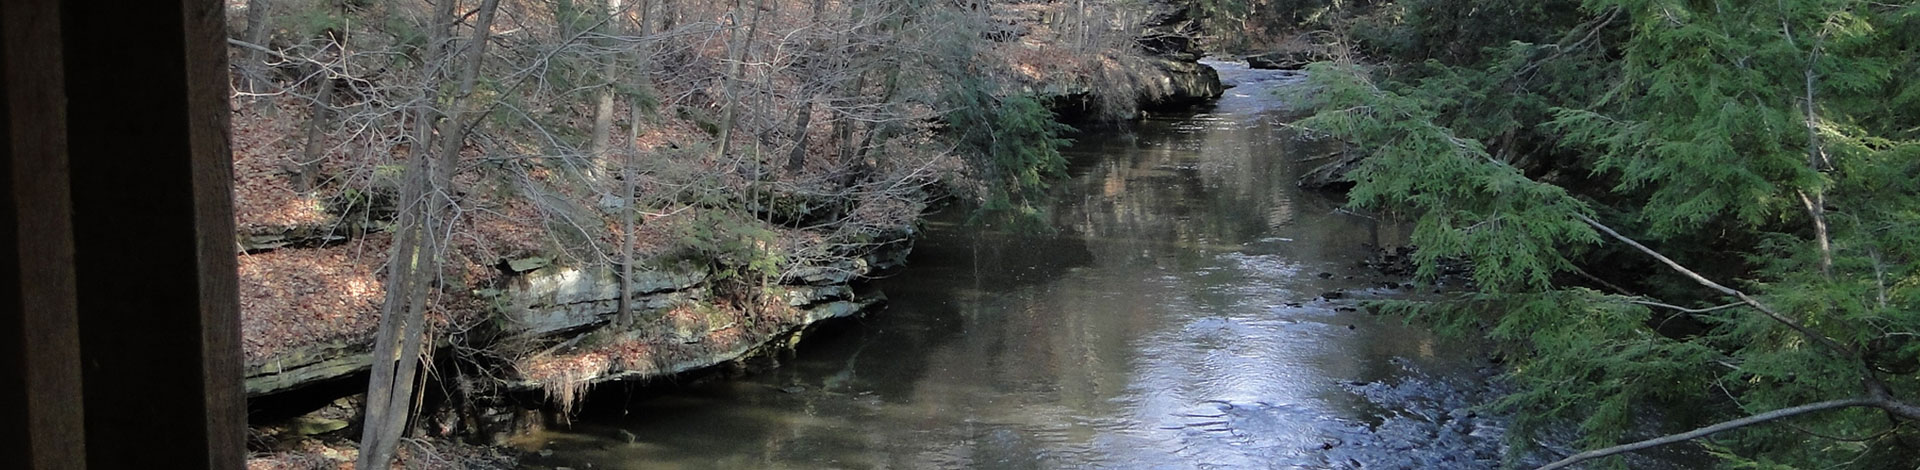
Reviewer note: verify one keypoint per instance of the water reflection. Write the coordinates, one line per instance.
(1176, 319)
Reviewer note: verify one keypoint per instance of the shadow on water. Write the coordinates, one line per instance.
(1192, 308)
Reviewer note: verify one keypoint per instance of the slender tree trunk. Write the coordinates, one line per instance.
(760, 173)
(402, 262)
(416, 257)
(629, 211)
(1815, 199)
(453, 132)
(797, 158)
(255, 67)
(736, 53)
(315, 151)
(891, 89)
(843, 124)
(603, 106)
(629, 207)
(402, 274)
(843, 128)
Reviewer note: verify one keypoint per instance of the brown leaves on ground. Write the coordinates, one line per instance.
(265, 148)
(413, 454)
(297, 297)
(293, 298)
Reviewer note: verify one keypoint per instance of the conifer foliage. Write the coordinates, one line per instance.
(1668, 205)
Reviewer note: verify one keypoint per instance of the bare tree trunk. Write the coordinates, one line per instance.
(403, 273)
(402, 269)
(797, 158)
(315, 151)
(843, 128)
(629, 207)
(255, 61)
(732, 77)
(628, 212)
(603, 106)
(735, 57)
(891, 89)
(416, 257)
(761, 175)
(453, 132)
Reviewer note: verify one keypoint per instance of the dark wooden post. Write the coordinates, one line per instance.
(122, 324)
(41, 395)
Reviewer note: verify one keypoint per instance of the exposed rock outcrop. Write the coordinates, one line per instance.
(1168, 36)
(1170, 30)
(552, 303)
(1171, 83)
(1280, 60)
(1160, 71)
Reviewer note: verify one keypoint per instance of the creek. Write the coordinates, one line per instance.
(1189, 308)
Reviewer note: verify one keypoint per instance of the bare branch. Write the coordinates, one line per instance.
(1713, 429)
(1744, 298)
(1684, 309)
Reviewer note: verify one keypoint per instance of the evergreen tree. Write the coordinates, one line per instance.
(1759, 161)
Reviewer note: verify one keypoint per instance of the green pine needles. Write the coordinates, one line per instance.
(1705, 207)
(1014, 140)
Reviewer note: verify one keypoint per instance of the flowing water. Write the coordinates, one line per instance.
(1192, 308)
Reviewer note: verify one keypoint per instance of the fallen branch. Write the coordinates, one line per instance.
(1716, 428)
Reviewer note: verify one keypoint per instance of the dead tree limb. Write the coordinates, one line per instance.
(1685, 309)
(1714, 429)
(1811, 335)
